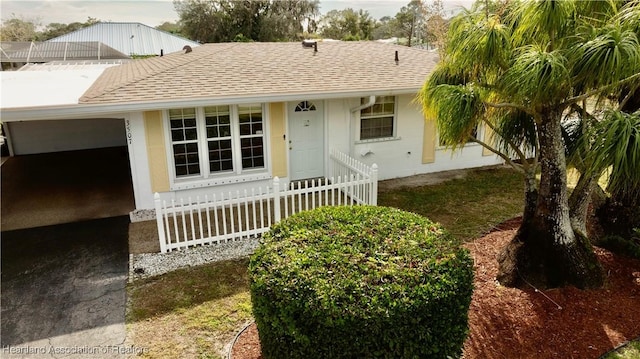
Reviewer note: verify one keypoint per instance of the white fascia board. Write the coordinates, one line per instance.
(118, 109)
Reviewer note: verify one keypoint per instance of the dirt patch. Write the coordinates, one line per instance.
(528, 323)
(143, 237)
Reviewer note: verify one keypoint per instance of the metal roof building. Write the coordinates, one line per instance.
(130, 38)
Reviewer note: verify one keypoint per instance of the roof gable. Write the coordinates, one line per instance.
(240, 70)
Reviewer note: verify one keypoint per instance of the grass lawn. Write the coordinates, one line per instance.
(630, 351)
(195, 312)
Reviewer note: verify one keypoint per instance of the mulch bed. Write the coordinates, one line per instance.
(527, 323)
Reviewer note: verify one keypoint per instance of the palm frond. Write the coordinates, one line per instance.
(456, 110)
(476, 42)
(629, 16)
(515, 128)
(537, 76)
(611, 55)
(617, 146)
(544, 21)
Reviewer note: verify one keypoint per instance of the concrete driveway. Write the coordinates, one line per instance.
(64, 187)
(63, 290)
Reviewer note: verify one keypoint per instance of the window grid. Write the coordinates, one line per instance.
(251, 136)
(377, 121)
(305, 106)
(229, 138)
(184, 138)
(219, 144)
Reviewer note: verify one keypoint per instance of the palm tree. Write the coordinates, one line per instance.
(518, 69)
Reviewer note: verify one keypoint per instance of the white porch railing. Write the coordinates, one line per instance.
(223, 217)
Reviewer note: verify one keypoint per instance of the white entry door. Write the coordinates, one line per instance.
(306, 139)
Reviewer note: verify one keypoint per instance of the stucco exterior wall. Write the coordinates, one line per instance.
(413, 151)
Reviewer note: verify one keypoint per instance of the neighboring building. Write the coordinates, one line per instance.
(130, 38)
(233, 115)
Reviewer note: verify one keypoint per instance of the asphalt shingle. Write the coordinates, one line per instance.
(237, 70)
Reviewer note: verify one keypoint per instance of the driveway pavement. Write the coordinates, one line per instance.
(64, 187)
(63, 290)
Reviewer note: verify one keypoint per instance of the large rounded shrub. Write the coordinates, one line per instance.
(360, 282)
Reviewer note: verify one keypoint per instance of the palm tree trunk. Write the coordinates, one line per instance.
(546, 251)
(579, 202)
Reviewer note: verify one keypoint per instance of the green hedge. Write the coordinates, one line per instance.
(360, 282)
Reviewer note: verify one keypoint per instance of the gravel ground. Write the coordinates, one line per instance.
(152, 264)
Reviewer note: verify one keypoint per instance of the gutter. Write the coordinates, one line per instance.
(371, 102)
(86, 110)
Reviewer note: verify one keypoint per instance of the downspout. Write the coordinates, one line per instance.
(371, 102)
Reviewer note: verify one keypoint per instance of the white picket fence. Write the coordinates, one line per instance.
(230, 216)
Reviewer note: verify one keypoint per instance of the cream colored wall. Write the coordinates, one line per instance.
(429, 142)
(277, 132)
(489, 138)
(156, 152)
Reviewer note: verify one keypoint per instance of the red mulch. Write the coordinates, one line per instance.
(526, 323)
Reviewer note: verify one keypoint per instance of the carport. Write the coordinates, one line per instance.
(63, 187)
(65, 166)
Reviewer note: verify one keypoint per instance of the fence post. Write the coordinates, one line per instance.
(374, 185)
(276, 199)
(159, 222)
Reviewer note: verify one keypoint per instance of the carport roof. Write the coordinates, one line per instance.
(45, 88)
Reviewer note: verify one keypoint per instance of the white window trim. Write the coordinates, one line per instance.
(207, 178)
(394, 137)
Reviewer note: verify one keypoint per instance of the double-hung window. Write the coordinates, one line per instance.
(378, 120)
(215, 141)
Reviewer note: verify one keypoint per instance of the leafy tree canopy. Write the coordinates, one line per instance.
(249, 20)
(347, 24)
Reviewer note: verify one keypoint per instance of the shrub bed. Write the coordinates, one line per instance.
(360, 282)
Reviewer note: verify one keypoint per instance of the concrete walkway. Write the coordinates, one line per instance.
(63, 290)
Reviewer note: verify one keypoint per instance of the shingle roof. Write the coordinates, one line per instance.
(130, 38)
(243, 70)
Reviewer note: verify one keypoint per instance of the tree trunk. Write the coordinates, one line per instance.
(579, 203)
(546, 252)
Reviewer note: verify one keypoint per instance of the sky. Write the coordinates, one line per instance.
(155, 12)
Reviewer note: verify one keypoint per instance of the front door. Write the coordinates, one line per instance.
(306, 139)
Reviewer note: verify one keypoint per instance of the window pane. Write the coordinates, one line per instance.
(220, 155)
(184, 135)
(252, 149)
(190, 134)
(187, 161)
(376, 128)
(177, 135)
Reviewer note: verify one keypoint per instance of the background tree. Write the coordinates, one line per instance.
(56, 29)
(171, 27)
(533, 61)
(383, 28)
(435, 24)
(252, 20)
(19, 29)
(347, 24)
(409, 22)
